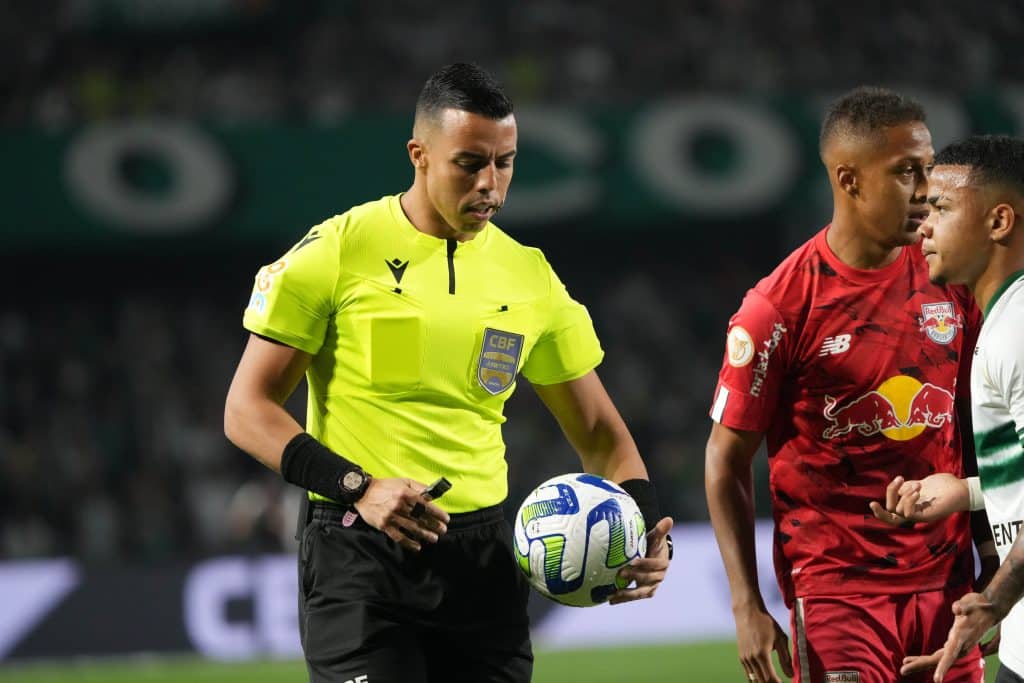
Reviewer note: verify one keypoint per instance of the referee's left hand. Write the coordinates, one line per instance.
(647, 572)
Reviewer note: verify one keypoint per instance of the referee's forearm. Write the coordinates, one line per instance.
(260, 427)
(612, 453)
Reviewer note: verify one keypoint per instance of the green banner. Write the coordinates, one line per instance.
(682, 161)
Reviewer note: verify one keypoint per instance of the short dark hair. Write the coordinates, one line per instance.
(466, 87)
(867, 110)
(993, 159)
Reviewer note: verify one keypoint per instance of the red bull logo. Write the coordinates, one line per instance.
(899, 409)
(940, 321)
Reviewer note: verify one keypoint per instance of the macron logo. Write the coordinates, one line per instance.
(397, 267)
(835, 345)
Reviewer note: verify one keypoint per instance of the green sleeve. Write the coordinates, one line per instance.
(293, 298)
(568, 348)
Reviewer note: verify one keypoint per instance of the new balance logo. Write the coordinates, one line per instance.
(397, 268)
(835, 345)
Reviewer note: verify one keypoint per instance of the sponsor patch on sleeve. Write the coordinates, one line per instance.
(740, 347)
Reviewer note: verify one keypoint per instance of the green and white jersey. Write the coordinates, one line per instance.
(997, 406)
(417, 343)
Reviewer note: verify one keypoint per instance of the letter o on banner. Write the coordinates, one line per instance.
(200, 179)
(767, 155)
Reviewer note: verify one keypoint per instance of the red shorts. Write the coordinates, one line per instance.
(864, 638)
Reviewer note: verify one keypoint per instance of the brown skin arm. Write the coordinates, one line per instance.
(594, 428)
(728, 483)
(256, 421)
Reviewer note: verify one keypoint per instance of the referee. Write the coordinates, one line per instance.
(411, 317)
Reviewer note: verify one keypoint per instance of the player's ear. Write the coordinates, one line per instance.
(417, 153)
(846, 179)
(1002, 220)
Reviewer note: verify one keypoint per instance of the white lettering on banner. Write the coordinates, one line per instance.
(767, 154)
(29, 591)
(573, 141)
(763, 356)
(269, 582)
(200, 179)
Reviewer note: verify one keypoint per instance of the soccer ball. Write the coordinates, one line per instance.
(572, 535)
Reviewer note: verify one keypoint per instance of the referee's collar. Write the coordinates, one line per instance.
(429, 241)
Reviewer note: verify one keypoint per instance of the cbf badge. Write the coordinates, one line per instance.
(499, 360)
(940, 321)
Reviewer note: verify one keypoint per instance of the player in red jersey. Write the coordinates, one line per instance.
(848, 362)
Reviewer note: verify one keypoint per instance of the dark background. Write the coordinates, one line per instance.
(116, 348)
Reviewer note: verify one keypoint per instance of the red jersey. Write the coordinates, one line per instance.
(852, 376)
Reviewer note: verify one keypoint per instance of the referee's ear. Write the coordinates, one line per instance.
(417, 153)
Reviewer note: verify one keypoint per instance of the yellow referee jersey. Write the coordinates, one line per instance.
(417, 341)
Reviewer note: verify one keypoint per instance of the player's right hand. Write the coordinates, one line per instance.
(757, 634)
(935, 497)
(388, 506)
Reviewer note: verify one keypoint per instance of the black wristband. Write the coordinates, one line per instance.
(642, 491)
(308, 463)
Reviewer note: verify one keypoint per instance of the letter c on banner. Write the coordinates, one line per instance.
(767, 152)
(200, 179)
(208, 589)
(571, 140)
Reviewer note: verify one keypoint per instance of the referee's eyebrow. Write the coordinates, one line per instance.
(474, 155)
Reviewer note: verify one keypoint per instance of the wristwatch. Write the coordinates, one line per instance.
(352, 485)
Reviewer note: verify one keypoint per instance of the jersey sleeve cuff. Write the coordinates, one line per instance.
(571, 374)
(310, 346)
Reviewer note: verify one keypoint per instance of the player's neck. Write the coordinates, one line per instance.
(855, 248)
(1003, 265)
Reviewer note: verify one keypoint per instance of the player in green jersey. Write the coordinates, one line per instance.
(411, 317)
(974, 236)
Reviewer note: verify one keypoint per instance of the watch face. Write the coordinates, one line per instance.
(352, 480)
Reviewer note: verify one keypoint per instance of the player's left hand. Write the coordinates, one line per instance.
(975, 615)
(648, 572)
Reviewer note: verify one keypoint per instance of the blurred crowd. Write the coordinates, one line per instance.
(111, 407)
(63, 62)
(111, 442)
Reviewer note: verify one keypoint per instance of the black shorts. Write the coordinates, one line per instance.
(371, 611)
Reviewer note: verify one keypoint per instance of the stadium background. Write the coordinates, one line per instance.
(157, 152)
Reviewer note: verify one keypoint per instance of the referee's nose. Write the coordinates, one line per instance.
(486, 179)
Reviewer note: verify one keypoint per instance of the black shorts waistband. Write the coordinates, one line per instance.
(329, 513)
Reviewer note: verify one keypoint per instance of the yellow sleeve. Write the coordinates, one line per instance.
(568, 348)
(293, 298)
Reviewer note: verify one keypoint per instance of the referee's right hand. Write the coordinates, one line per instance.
(388, 505)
